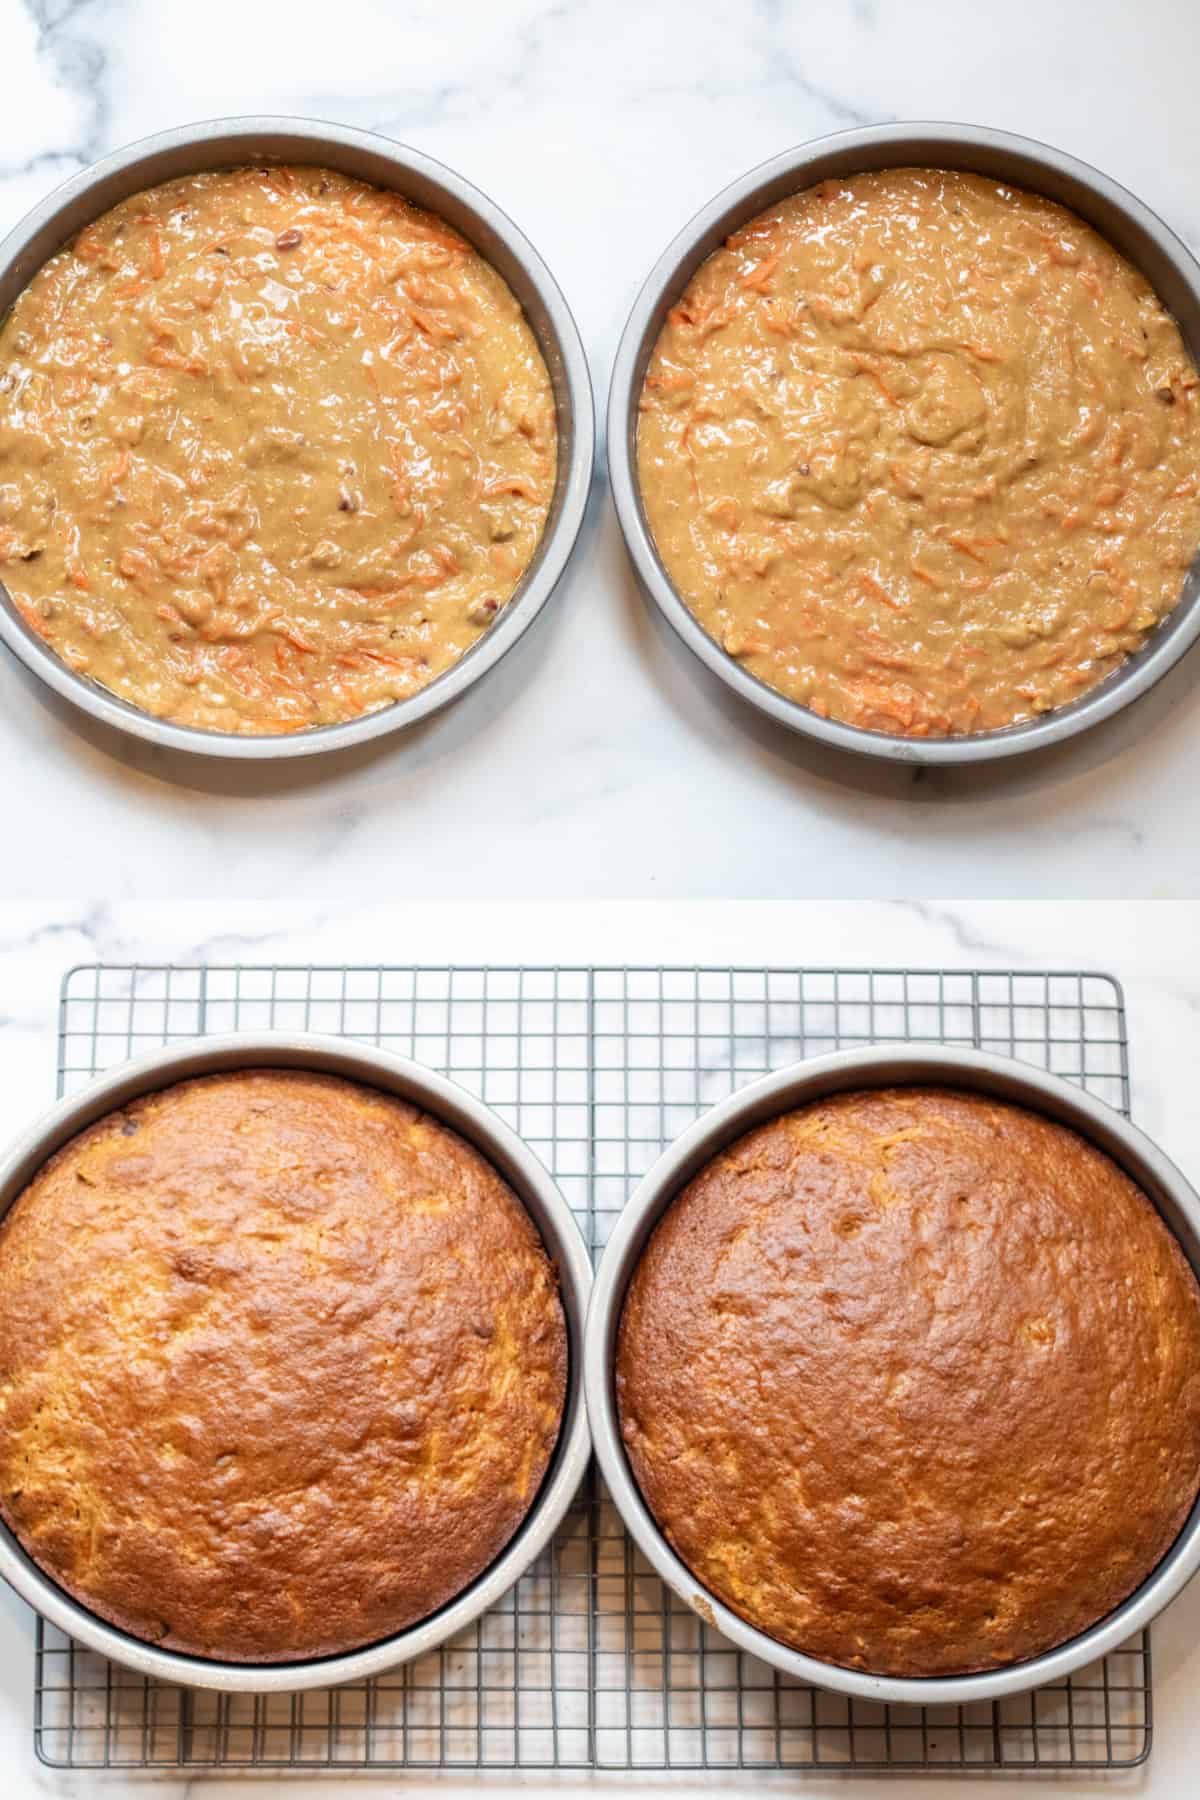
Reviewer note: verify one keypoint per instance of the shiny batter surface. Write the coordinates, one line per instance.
(275, 448)
(282, 1365)
(911, 1381)
(922, 452)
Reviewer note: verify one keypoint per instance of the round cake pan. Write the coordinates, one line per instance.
(232, 143)
(883, 1066)
(1142, 237)
(446, 1101)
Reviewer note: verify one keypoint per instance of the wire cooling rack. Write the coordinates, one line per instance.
(590, 1662)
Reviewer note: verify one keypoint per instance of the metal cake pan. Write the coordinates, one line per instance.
(446, 1101)
(1117, 214)
(230, 143)
(882, 1066)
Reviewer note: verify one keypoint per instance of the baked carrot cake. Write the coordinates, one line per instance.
(910, 1378)
(275, 449)
(922, 451)
(282, 1366)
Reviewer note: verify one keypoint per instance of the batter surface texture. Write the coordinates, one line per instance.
(923, 452)
(275, 449)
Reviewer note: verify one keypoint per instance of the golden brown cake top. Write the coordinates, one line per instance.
(282, 1366)
(276, 447)
(911, 1380)
(920, 450)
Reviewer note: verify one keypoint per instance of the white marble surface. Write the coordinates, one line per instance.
(598, 760)
(1150, 946)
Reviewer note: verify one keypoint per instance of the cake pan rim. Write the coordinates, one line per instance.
(800, 166)
(154, 158)
(537, 1191)
(798, 1084)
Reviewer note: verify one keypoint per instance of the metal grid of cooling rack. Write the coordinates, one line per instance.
(590, 1662)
